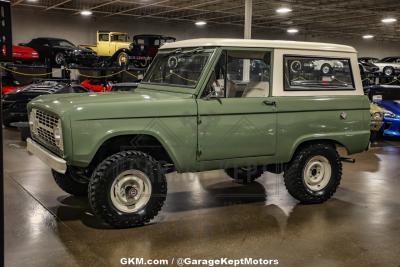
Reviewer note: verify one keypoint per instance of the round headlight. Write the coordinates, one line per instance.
(389, 114)
(377, 116)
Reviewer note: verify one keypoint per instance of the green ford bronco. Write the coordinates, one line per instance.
(246, 106)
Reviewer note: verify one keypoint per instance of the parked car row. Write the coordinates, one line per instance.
(111, 48)
(15, 102)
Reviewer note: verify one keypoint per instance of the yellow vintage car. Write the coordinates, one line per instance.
(376, 120)
(109, 42)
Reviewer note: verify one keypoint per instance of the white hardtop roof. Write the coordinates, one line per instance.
(202, 42)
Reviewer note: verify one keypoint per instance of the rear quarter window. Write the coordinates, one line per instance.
(304, 73)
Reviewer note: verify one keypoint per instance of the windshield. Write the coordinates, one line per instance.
(60, 42)
(181, 67)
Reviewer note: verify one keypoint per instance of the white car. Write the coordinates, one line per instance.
(389, 66)
(325, 67)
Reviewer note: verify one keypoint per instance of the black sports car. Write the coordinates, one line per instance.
(59, 51)
(14, 103)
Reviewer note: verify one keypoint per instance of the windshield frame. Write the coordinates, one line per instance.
(182, 88)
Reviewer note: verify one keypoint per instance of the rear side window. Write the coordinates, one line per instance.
(303, 73)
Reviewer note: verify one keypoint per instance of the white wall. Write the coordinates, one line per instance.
(31, 23)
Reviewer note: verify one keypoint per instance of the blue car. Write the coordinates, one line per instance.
(388, 98)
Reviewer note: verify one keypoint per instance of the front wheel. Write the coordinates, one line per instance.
(59, 58)
(314, 174)
(127, 189)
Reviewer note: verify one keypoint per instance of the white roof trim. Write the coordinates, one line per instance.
(259, 44)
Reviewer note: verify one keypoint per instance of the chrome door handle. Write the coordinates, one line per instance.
(269, 103)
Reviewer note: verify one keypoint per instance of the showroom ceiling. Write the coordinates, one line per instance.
(351, 18)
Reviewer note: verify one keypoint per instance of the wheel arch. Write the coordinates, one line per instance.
(146, 142)
(303, 143)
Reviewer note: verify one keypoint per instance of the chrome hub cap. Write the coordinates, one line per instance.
(388, 72)
(325, 70)
(317, 173)
(123, 59)
(59, 58)
(131, 191)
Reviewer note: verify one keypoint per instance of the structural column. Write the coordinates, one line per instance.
(248, 13)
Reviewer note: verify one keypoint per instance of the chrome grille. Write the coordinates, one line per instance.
(46, 120)
(43, 129)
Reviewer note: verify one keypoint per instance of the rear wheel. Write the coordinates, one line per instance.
(127, 189)
(122, 59)
(314, 174)
(244, 175)
(71, 183)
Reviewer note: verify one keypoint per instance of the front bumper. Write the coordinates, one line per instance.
(56, 163)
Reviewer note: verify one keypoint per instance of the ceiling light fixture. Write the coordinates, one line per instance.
(32, 1)
(283, 10)
(292, 30)
(200, 23)
(86, 12)
(389, 20)
(368, 36)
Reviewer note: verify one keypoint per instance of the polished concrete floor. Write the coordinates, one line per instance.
(206, 215)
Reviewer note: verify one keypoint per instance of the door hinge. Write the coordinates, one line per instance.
(198, 152)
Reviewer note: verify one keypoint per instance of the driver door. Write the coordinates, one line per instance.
(237, 116)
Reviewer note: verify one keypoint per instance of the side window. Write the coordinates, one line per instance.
(241, 74)
(104, 37)
(303, 73)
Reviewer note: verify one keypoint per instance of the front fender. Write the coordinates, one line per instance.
(176, 134)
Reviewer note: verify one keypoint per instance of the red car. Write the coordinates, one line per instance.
(23, 54)
(8, 88)
(95, 86)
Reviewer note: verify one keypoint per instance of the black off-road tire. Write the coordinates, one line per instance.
(294, 180)
(69, 183)
(244, 176)
(102, 180)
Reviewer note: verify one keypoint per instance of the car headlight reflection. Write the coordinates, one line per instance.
(57, 131)
(377, 116)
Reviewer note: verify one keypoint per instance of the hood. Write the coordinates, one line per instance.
(75, 48)
(391, 105)
(116, 105)
(23, 49)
